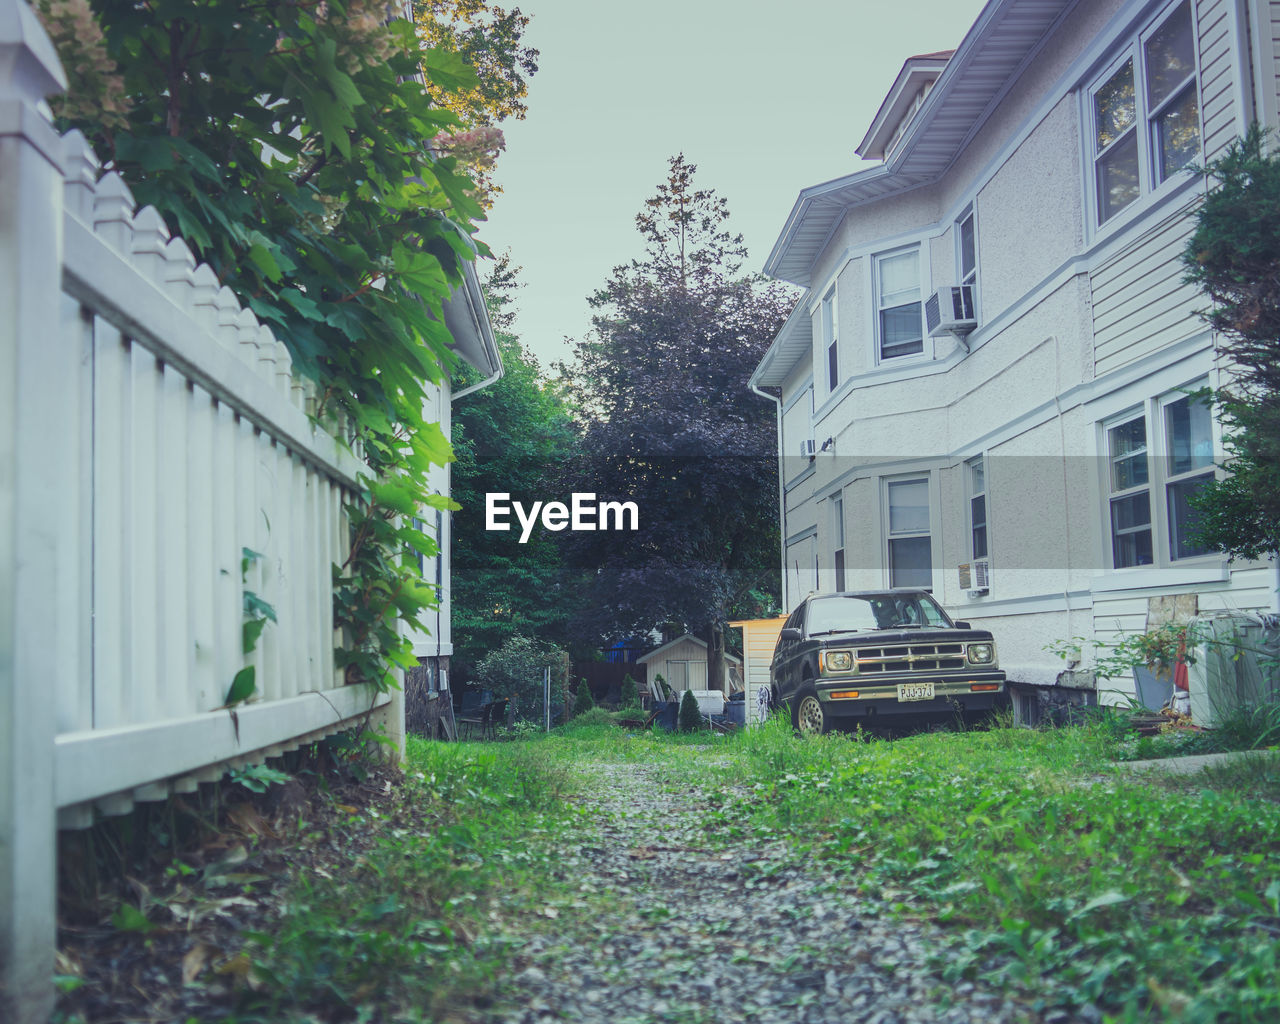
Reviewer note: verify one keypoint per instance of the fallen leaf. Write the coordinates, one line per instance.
(550, 912)
(247, 819)
(194, 962)
(347, 808)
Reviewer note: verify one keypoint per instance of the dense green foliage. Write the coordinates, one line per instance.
(670, 424)
(515, 670)
(690, 714)
(630, 695)
(1234, 257)
(290, 145)
(582, 702)
(512, 436)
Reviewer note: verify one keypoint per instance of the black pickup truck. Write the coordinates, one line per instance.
(881, 658)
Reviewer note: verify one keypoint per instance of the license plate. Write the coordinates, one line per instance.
(915, 691)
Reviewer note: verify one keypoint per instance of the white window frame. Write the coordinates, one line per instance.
(974, 276)
(830, 339)
(838, 540)
(972, 495)
(1168, 478)
(926, 343)
(1144, 125)
(888, 536)
(1154, 412)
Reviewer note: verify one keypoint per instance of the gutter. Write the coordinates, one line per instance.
(480, 320)
(782, 490)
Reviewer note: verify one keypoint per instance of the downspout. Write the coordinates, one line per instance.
(497, 374)
(782, 492)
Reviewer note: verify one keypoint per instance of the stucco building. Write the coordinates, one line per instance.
(1023, 447)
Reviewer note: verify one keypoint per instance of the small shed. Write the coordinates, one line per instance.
(683, 664)
(759, 637)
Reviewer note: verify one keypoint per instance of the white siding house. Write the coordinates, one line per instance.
(1050, 449)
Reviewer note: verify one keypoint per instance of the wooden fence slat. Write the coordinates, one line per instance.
(226, 554)
(201, 555)
(111, 580)
(173, 464)
(247, 518)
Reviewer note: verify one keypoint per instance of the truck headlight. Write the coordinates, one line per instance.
(981, 654)
(837, 661)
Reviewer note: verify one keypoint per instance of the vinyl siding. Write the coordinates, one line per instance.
(1217, 76)
(1140, 302)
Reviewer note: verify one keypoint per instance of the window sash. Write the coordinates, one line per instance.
(1152, 85)
(900, 312)
(968, 242)
(1150, 518)
(909, 541)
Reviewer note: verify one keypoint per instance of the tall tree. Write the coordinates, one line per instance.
(1234, 256)
(669, 423)
(489, 39)
(512, 436)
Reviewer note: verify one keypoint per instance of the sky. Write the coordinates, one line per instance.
(765, 99)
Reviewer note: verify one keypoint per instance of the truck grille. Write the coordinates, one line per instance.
(910, 658)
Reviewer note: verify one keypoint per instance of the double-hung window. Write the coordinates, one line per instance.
(1188, 466)
(837, 530)
(976, 472)
(1145, 113)
(910, 547)
(899, 319)
(829, 340)
(967, 251)
(1130, 480)
(1144, 483)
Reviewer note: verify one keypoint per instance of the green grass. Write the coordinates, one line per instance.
(1051, 873)
(410, 927)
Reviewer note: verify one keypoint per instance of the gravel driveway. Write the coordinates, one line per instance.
(707, 931)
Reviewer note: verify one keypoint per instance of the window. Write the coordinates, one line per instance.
(837, 528)
(967, 251)
(1146, 114)
(1130, 494)
(900, 325)
(975, 470)
(1137, 475)
(829, 339)
(910, 549)
(1188, 467)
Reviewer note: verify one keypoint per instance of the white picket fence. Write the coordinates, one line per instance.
(197, 449)
(151, 430)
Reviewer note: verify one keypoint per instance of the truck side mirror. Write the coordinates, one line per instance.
(963, 625)
(791, 633)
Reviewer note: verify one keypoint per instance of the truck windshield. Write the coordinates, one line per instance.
(850, 613)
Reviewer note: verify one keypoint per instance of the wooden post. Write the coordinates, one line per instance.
(38, 478)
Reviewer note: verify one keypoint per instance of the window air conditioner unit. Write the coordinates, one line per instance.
(808, 449)
(950, 311)
(975, 576)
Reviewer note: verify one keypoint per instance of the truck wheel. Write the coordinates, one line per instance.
(808, 714)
